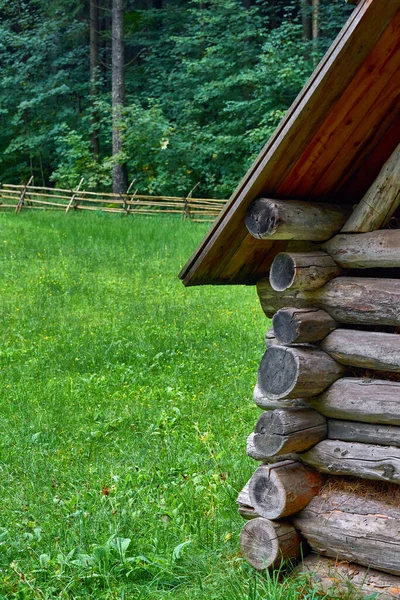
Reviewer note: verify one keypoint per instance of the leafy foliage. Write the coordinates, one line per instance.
(207, 83)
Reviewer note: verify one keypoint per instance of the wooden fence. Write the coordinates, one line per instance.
(22, 197)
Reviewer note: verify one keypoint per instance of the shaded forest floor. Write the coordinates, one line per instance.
(125, 402)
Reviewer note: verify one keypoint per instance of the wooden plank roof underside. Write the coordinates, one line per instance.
(336, 136)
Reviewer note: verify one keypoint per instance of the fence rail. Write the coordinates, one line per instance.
(33, 197)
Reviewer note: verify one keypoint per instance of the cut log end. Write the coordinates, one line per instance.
(302, 271)
(298, 326)
(268, 544)
(261, 218)
(283, 489)
(290, 372)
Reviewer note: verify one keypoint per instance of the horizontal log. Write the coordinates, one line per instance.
(270, 339)
(253, 453)
(365, 433)
(266, 403)
(294, 220)
(283, 488)
(286, 372)
(300, 325)
(380, 201)
(331, 576)
(366, 400)
(355, 459)
(379, 249)
(364, 301)
(288, 430)
(244, 506)
(302, 271)
(350, 527)
(365, 349)
(266, 543)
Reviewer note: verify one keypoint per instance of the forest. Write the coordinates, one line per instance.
(172, 93)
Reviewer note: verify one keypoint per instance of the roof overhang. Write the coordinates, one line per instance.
(336, 136)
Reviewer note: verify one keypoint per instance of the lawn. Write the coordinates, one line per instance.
(126, 400)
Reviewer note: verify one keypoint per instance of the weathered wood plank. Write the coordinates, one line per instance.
(286, 372)
(268, 543)
(288, 430)
(294, 220)
(283, 489)
(366, 400)
(349, 527)
(355, 459)
(378, 249)
(300, 325)
(365, 433)
(359, 300)
(366, 349)
(380, 201)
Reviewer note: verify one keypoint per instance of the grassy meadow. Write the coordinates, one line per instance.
(125, 405)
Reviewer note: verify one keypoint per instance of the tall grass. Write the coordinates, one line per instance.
(125, 404)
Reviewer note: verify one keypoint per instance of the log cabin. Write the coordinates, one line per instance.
(314, 224)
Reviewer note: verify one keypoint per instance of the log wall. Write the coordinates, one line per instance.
(329, 388)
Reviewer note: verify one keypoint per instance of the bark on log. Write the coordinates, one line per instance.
(283, 489)
(332, 576)
(365, 433)
(380, 201)
(300, 325)
(268, 544)
(366, 349)
(379, 249)
(267, 404)
(294, 220)
(270, 339)
(288, 430)
(366, 400)
(365, 301)
(355, 459)
(252, 452)
(302, 271)
(245, 508)
(349, 527)
(291, 372)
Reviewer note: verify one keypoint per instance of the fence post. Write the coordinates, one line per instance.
(22, 197)
(186, 208)
(126, 206)
(72, 201)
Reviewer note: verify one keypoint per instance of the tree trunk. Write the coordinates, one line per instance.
(297, 372)
(330, 576)
(357, 460)
(288, 430)
(120, 180)
(300, 326)
(366, 400)
(378, 249)
(380, 201)
(364, 349)
(283, 489)
(267, 543)
(306, 20)
(302, 271)
(294, 220)
(94, 74)
(365, 433)
(354, 528)
(364, 301)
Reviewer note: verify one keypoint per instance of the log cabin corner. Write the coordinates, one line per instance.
(314, 224)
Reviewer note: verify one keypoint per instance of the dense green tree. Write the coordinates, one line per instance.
(206, 84)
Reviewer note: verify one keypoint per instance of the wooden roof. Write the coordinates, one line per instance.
(336, 136)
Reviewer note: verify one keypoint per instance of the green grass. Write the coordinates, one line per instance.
(125, 406)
